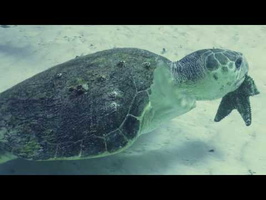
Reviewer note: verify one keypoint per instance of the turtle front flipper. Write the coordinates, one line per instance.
(238, 99)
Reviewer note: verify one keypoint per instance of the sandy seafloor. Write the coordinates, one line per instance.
(190, 144)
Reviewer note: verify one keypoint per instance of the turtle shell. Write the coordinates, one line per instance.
(86, 107)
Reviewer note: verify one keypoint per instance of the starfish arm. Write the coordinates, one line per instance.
(243, 107)
(248, 87)
(225, 108)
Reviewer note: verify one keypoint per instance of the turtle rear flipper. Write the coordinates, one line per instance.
(5, 156)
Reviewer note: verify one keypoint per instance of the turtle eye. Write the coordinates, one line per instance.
(238, 63)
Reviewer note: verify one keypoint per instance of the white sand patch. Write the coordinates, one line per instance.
(192, 143)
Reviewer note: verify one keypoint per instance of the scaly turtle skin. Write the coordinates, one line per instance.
(97, 105)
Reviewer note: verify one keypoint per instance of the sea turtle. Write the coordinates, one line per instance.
(97, 105)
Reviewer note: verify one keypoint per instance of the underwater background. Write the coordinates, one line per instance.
(190, 144)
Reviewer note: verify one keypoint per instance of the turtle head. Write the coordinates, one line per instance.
(225, 71)
(215, 72)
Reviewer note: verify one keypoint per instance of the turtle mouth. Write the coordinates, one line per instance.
(238, 82)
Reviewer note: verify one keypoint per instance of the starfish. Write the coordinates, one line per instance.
(239, 100)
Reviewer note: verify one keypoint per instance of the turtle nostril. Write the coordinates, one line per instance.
(238, 63)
